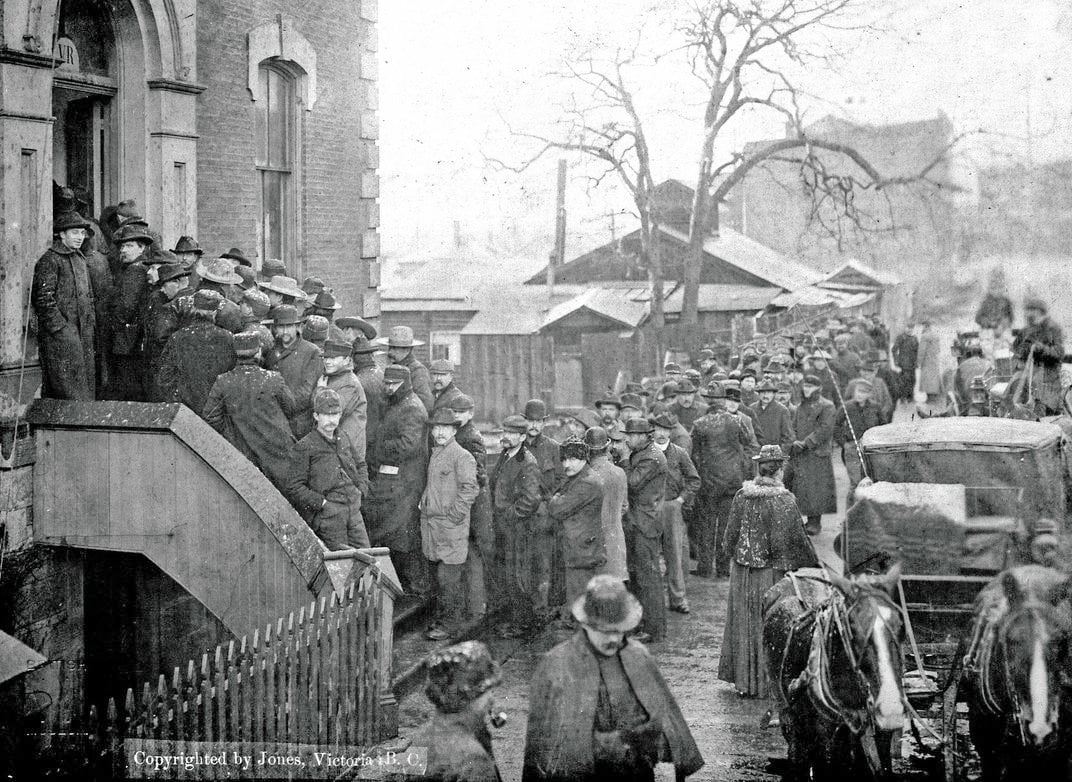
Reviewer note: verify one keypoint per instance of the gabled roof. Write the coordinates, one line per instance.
(856, 275)
(724, 298)
(624, 306)
(754, 258)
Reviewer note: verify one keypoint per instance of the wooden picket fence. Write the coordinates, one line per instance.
(316, 679)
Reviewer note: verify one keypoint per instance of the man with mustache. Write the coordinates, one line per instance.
(298, 362)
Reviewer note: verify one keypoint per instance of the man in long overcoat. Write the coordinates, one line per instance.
(615, 500)
(646, 478)
(371, 378)
(812, 471)
(63, 301)
(398, 463)
(400, 343)
(481, 532)
(448, 496)
(515, 496)
(905, 355)
(577, 507)
(339, 377)
(126, 327)
(682, 483)
(249, 406)
(298, 362)
(1042, 339)
(718, 447)
(599, 708)
(161, 321)
(196, 355)
(326, 478)
(545, 541)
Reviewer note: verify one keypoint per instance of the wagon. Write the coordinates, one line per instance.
(956, 501)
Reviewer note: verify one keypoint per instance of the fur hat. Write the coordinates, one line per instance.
(326, 402)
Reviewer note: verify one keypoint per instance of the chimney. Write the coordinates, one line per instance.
(458, 241)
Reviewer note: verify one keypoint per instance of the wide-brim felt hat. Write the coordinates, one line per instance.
(284, 286)
(65, 221)
(607, 606)
(171, 271)
(400, 337)
(237, 255)
(187, 244)
(220, 270)
(131, 232)
(362, 346)
(354, 322)
(326, 301)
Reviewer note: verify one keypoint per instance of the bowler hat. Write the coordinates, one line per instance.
(668, 390)
(207, 300)
(442, 416)
(285, 315)
(607, 606)
(460, 674)
(665, 420)
(247, 343)
(325, 300)
(638, 426)
(515, 423)
(535, 410)
(170, 271)
(354, 322)
(714, 390)
(316, 330)
(395, 373)
(128, 233)
(68, 220)
(573, 448)
(461, 403)
(812, 380)
(609, 401)
(284, 286)
(400, 337)
(273, 267)
(326, 402)
(335, 348)
(770, 453)
(237, 255)
(441, 366)
(187, 244)
(672, 367)
(596, 438)
(766, 385)
(362, 346)
(685, 386)
(222, 271)
(632, 400)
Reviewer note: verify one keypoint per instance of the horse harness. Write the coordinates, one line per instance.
(832, 615)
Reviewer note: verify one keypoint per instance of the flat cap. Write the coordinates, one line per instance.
(442, 416)
(247, 343)
(462, 403)
(326, 402)
(441, 366)
(395, 373)
(515, 423)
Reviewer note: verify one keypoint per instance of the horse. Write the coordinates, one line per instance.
(833, 648)
(1016, 673)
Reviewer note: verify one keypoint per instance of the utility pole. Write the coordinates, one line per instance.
(558, 257)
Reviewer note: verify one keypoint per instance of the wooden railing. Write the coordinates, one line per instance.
(318, 678)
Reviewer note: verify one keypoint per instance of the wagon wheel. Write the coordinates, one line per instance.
(953, 749)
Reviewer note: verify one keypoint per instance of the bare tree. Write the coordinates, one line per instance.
(604, 125)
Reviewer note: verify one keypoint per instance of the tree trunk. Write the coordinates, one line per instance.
(655, 261)
(698, 230)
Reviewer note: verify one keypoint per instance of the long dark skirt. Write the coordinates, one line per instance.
(742, 661)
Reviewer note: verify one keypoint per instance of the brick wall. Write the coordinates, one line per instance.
(338, 209)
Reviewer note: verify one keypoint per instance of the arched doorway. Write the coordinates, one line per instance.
(85, 86)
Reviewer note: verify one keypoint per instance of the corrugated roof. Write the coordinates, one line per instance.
(756, 259)
(724, 298)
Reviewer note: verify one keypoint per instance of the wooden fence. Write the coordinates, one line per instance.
(315, 679)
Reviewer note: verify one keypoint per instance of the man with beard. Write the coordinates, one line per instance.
(481, 532)
(772, 417)
(718, 447)
(1043, 341)
(449, 493)
(646, 478)
(686, 407)
(339, 377)
(162, 320)
(577, 509)
(400, 343)
(545, 542)
(249, 406)
(682, 483)
(599, 708)
(62, 299)
(398, 463)
(196, 355)
(515, 494)
(126, 370)
(298, 362)
(327, 477)
(615, 500)
(609, 409)
(812, 476)
(442, 372)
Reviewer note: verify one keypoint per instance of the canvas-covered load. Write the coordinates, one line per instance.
(994, 454)
(928, 527)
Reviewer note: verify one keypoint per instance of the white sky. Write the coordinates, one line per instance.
(453, 74)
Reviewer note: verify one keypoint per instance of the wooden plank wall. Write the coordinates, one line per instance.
(147, 492)
(503, 371)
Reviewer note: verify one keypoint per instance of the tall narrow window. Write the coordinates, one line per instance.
(277, 161)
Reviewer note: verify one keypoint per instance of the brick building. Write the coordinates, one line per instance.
(248, 123)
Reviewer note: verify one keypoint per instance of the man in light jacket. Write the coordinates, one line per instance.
(448, 497)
